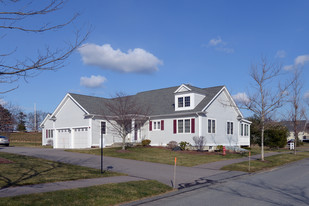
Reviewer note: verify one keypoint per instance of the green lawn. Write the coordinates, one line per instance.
(270, 162)
(109, 194)
(161, 155)
(25, 170)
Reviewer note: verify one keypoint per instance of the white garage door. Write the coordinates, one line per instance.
(64, 138)
(80, 137)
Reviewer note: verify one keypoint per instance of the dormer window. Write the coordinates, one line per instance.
(187, 101)
(180, 101)
(184, 101)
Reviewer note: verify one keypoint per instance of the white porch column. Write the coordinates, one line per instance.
(89, 133)
(72, 137)
(200, 126)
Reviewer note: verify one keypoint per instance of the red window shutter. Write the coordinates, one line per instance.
(46, 133)
(175, 126)
(192, 125)
(162, 124)
(150, 125)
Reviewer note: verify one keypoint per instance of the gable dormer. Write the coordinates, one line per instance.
(186, 98)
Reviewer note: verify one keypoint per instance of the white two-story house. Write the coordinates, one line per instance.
(177, 114)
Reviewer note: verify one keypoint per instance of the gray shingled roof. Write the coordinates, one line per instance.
(300, 126)
(160, 101)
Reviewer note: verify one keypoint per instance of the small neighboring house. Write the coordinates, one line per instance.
(177, 114)
(302, 127)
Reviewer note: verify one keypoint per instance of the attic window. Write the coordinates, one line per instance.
(187, 101)
(180, 101)
(184, 101)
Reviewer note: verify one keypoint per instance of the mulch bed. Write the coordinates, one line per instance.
(5, 161)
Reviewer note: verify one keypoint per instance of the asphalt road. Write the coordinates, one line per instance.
(288, 185)
(186, 176)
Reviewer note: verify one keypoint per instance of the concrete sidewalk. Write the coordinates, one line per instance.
(50, 187)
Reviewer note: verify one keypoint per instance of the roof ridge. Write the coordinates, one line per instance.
(70, 93)
(156, 89)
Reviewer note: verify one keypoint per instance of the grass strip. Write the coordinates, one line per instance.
(109, 194)
(161, 155)
(27, 170)
(269, 162)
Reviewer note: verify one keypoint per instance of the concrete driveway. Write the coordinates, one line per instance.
(185, 176)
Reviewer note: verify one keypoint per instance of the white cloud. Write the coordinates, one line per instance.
(136, 60)
(301, 60)
(288, 67)
(215, 41)
(306, 95)
(298, 61)
(241, 97)
(219, 45)
(93, 81)
(280, 54)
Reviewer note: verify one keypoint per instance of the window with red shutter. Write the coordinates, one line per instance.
(162, 124)
(192, 125)
(175, 126)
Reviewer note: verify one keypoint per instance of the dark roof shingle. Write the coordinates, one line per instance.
(160, 101)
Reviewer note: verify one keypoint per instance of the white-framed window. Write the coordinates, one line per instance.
(180, 101)
(184, 125)
(180, 126)
(184, 101)
(187, 125)
(49, 133)
(82, 129)
(156, 125)
(187, 101)
(230, 128)
(244, 129)
(211, 126)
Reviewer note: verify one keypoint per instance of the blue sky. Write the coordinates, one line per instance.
(142, 45)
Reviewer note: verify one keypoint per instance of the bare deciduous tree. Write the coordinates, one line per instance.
(297, 111)
(13, 16)
(200, 142)
(121, 111)
(267, 96)
(34, 122)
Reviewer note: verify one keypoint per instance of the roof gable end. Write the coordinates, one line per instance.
(183, 88)
(62, 103)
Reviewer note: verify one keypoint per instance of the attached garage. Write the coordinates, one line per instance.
(64, 138)
(80, 137)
